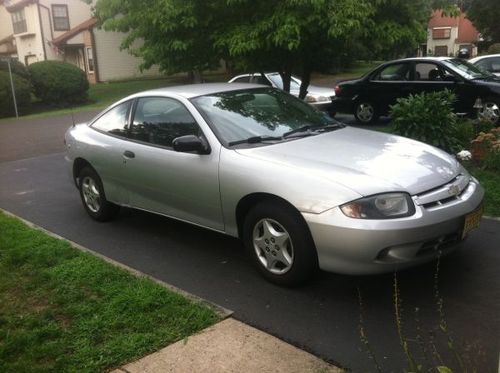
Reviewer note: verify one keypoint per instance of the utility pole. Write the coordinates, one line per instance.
(12, 88)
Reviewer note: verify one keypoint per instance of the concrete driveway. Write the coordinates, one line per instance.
(322, 317)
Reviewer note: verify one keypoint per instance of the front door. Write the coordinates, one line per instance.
(159, 179)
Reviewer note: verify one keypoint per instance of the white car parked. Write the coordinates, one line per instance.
(319, 97)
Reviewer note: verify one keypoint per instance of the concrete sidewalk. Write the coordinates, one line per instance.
(229, 346)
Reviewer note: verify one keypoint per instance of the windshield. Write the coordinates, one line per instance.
(278, 82)
(260, 112)
(466, 69)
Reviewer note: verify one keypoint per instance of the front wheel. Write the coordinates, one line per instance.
(280, 244)
(365, 112)
(490, 111)
(93, 197)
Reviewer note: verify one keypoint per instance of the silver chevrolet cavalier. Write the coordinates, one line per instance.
(300, 189)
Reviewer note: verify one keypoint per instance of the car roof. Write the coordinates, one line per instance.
(479, 58)
(423, 59)
(194, 90)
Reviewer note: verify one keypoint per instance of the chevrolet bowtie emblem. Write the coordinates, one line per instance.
(454, 190)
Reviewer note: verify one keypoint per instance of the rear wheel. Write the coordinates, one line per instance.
(365, 112)
(280, 243)
(490, 111)
(93, 197)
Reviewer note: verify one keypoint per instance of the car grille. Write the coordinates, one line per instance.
(438, 244)
(444, 194)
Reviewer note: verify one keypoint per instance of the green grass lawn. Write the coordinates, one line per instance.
(491, 182)
(65, 310)
(104, 94)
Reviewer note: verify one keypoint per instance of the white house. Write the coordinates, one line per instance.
(39, 30)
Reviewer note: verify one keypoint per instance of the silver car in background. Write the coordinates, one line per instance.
(490, 63)
(299, 188)
(319, 97)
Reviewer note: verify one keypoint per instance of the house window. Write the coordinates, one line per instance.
(19, 22)
(90, 59)
(441, 33)
(60, 17)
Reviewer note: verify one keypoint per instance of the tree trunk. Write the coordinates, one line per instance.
(286, 77)
(306, 79)
(196, 76)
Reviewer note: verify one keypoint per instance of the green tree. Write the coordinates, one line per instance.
(280, 35)
(485, 14)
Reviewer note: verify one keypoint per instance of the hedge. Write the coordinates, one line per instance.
(23, 93)
(58, 83)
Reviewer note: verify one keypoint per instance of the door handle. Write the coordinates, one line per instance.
(128, 154)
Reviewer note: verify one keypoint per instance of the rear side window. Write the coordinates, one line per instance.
(243, 79)
(114, 121)
(394, 72)
(159, 120)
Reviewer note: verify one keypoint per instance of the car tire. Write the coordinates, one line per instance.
(280, 244)
(93, 197)
(365, 112)
(490, 111)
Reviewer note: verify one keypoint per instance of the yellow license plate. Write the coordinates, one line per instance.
(472, 220)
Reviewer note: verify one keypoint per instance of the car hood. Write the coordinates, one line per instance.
(366, 162)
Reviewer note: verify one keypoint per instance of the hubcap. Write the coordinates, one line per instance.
(91, 194)
(490, 112)
(273, 246)
(365, 112)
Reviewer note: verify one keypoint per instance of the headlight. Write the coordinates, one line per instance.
(310, 98)
(380, 206)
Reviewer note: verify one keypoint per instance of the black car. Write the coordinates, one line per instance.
(477, 91)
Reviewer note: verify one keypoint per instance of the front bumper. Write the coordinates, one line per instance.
(359, 246)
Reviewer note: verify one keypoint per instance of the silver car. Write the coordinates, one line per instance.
(319, 97)
(300, 189)
(489, 63)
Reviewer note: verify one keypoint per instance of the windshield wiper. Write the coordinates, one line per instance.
(316, 128)
(254, 140)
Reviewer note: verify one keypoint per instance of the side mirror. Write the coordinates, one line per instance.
(190, 143)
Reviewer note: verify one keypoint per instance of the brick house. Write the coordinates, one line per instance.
(39, 30)
(447, 35)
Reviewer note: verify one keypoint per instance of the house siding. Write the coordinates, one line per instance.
(116, 64)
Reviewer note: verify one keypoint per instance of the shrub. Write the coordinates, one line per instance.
(427, 117)
(58, 82)
(16, 67)
(23, 93)
(494, 48)
(486, 147)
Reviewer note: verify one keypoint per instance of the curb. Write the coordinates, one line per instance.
(223, 312)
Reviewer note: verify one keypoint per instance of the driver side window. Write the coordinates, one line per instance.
(159, 120)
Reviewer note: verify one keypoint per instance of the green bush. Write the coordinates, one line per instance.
(427, 117)
(16, 67)
(23, 93)
(494, 48)
(58, 83)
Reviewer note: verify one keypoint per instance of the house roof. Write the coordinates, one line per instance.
(74, 31)
(467, 33)
(7, 39)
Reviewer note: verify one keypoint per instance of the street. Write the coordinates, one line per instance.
(322, 317)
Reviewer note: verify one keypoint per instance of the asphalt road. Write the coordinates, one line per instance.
(322, 316)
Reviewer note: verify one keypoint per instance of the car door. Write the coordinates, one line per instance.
(387, 85)
(178, 184)
(432, 76)
(106, 150)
